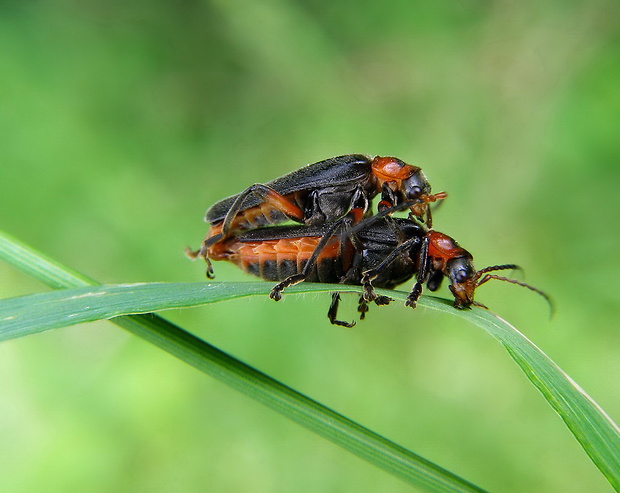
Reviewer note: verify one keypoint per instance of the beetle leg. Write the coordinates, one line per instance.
(209, 271)
(201, 252)
(383, 300)
(423, 273)
(414, 295)
(276, 292)
(371, 275)
(388, 199)
(434, 280)
(333, 312)
(314, 214)
(193, 254)
(212, 240)
(369, 293)
(429, 217)
(362, 307)
(359, 200)
(267, 195)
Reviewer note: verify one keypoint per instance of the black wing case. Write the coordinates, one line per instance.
(284, 232)
(378, 232)
(393, 231)
(341, 170)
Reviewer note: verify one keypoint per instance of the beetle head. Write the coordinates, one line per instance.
(408, 183)
(457, 264)
(462, 275)
(416, 186)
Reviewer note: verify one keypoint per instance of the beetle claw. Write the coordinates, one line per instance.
(276, 294)
(383, 300)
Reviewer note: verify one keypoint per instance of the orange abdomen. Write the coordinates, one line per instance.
(275, 260)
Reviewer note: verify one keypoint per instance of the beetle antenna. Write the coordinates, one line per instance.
(496, 267)
(488, 277)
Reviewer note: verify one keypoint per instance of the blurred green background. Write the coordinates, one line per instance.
(120, 123)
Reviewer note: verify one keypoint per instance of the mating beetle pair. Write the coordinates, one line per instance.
(322, 192)
(339, 240)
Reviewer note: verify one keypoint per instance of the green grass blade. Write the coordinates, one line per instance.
(594, 430)
(364, 443)
(34, 313)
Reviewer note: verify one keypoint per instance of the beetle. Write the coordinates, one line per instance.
(381, 251)
(322, 192)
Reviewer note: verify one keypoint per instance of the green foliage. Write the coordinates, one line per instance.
(122, 122)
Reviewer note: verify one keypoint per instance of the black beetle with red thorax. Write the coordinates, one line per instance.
(380, 251)
(320, 193)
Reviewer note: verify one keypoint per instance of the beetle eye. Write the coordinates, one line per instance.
(462, 275)
(415, 191)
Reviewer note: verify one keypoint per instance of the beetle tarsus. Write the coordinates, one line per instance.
(276, 292)
(209, 272)
(362, 307)
(383, 300)
(414, 295)
(369, 291)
